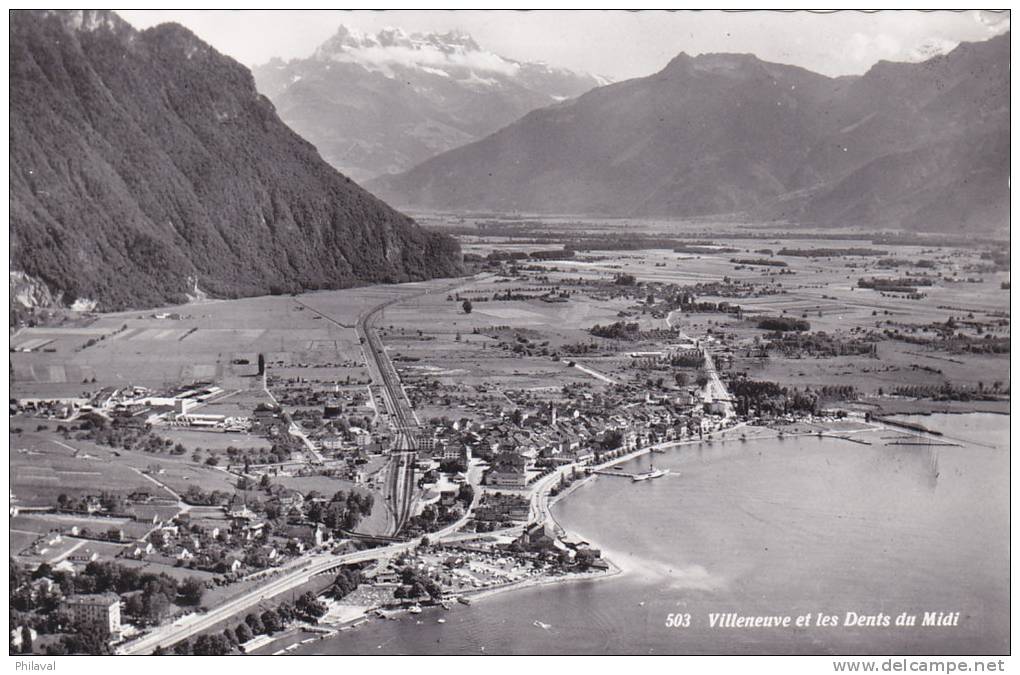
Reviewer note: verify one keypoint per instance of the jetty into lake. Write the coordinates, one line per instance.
(644, 475)
(618, 474)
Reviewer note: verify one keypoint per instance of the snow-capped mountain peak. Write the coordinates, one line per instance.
(380, 102)
(455, 53)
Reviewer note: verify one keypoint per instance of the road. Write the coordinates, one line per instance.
(294, 429)
(715, 390)
(591, 371)
(540, 512)
(399, 485)
(401, 477)
(296, 573)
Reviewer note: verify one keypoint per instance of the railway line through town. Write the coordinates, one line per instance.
(399, 485)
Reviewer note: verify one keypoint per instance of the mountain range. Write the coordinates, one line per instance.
(920, 146)
(145, 168)
(379, 104)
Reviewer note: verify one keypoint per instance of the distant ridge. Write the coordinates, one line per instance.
(145, 167)
(918, 146)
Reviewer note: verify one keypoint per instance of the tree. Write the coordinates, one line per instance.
(255, 624)
(212, 645)
(467, 306)
(625, 280)
(613, 439)
(271, 621)
(135, 605)
(243, 633)
(309, 606)
(156, 606)
(347, 579)
(87, 640)
(191, 591)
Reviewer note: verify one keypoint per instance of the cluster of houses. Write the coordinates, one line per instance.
(236, 540)
(501, 507)
(239, 540)
(539, 539)
(517, 445)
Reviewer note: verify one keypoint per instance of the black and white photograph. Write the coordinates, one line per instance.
(509, 333)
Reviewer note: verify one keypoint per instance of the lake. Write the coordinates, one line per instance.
(778, 527)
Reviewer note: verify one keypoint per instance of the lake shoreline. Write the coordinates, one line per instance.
(836, 430)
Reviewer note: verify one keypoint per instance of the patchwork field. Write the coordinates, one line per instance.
(139, 349)
(513, 349)
(43, 467)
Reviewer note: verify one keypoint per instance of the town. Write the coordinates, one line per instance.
(231, 476)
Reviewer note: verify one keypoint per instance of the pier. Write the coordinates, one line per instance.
(619, 474)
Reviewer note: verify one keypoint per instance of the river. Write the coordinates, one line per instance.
(779, 527)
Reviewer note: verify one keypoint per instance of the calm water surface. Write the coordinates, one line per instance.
(779, 527)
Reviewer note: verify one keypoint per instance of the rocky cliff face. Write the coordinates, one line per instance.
(145, 162)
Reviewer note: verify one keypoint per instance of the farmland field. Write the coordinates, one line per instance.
(528, 335)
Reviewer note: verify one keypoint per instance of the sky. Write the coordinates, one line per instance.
(615, 44)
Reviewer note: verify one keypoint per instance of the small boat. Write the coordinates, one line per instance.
(541, 624)
(414, 609)
(652, 473)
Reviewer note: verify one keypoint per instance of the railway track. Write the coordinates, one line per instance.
(401, 479)
(399, 484)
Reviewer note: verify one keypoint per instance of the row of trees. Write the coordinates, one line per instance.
(307, 607)
(619, 330)
(783, 324)
(771, 398)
